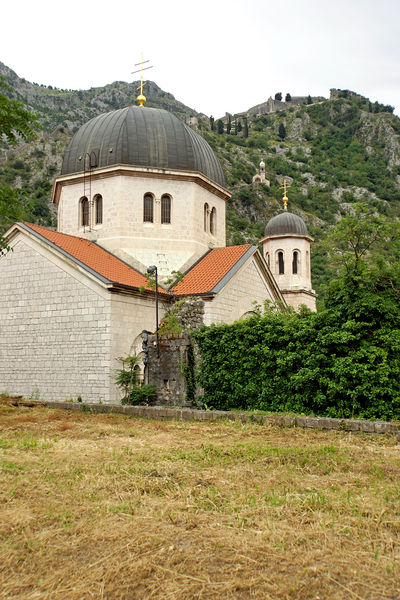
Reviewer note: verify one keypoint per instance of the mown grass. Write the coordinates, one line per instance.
(112, 507)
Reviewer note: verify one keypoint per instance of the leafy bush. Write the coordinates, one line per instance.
(127, 379)
(327, 363)
(343, 361)
(140, 395)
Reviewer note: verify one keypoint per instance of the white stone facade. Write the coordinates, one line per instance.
(296, 287)
(248, 288)
(170, 246)
(61, 329)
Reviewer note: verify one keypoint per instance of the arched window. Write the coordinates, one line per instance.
(267, 257)
(281, 264)
(206, 217)
(84, 211)
(213, 221)
(165, 209)
(98, 203)
(295, 262)
(148, 208)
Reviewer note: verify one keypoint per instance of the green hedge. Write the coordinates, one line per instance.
(341, 362)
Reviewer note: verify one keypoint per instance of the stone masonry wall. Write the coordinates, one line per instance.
(166, 369)
(235, 300)
(352, 426)
(54, 330)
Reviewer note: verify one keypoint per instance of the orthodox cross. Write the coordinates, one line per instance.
(141, 99)
(285, 198)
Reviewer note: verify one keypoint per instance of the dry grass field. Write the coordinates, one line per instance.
(112, 507)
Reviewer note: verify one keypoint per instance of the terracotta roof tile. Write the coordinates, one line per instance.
(209, 270)
(94, 257)
(200, 279)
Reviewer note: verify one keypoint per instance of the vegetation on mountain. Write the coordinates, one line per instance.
(332, 153)
(343, 361)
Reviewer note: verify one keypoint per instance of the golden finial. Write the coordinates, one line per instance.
(285, 198)
(141, 99)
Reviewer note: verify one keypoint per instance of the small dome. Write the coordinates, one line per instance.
(141, 137)
(286, 223)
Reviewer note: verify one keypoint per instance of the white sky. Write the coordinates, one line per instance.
(214, 56)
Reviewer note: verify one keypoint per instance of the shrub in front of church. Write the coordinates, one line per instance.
(343, 361)
(128, 380)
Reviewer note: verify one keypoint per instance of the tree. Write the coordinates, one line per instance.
(212, 123)
(288, 97)
(220, 126)
(278, 96)
(309, 99)
(16, 123)
(282, 130)
(239, 126)
(229, 125)
(362, 237)
(246, 128)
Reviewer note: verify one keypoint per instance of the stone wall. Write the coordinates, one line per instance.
(61, 330)
(166, 367)
(51, 344)
(191, 414)
(236, 299)
(191, 314)
(272, 105)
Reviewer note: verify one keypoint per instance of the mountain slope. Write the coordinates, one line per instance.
(332, 153)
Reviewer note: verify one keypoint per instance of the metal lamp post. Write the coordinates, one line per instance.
(153, 269)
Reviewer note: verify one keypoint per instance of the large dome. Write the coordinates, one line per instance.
(286, 223)
(142, 137)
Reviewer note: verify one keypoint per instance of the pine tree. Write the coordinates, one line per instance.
(278, 96)
(229, 125)
(288, 97)
(309, 99)
(220, 126)
(282, 131)
(212, 123)
(246, 129)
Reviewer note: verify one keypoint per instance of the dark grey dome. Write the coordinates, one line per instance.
(286, 223)
(143, 137)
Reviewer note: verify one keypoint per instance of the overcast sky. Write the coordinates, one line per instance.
(214, 56)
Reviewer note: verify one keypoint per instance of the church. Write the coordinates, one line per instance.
(138, 188)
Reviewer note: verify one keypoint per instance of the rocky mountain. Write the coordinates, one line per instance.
(331, 153)
(60, 113)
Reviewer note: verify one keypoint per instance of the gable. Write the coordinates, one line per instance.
(213, 271)
(87, 256)
(248, 287)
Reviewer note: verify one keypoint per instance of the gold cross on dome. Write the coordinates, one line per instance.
(285, 198)
(141, 99)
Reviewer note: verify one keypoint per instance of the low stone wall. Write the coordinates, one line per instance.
(192, 414)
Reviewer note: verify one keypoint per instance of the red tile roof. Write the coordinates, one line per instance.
(200, 279)
(94, 257)
(209, 270)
